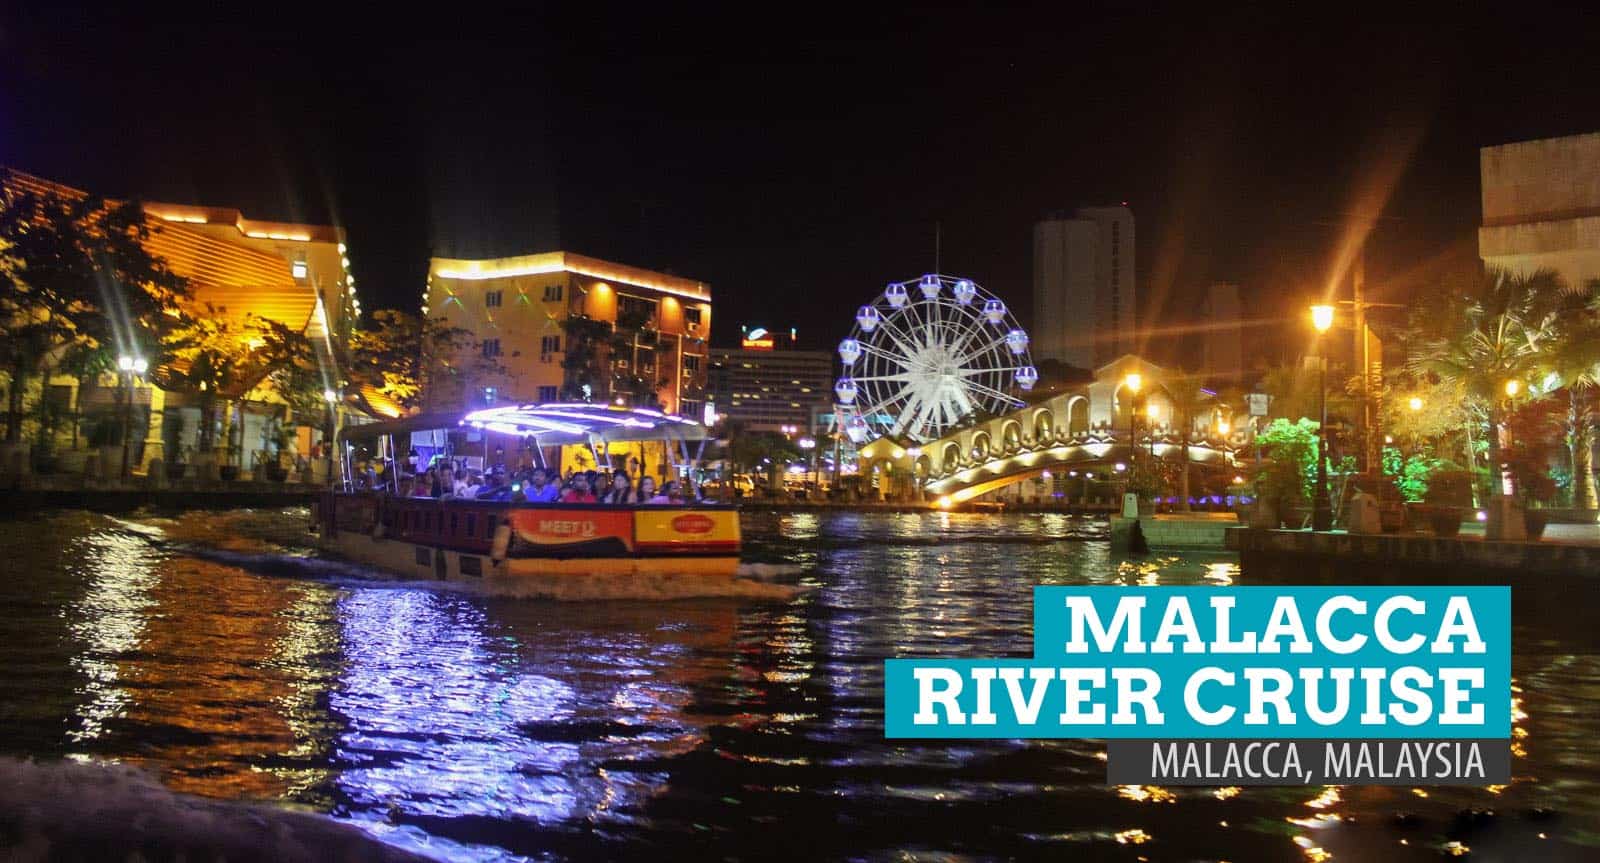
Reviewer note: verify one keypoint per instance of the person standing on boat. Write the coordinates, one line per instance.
(539, 488)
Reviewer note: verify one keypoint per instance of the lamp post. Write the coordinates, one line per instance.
(332, 398)
(1132, 383)
(1321, 507)
(130, 366)
(1508, 483)
(1415, 404)
(808, 445)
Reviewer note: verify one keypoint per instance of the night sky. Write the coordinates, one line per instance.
(797, 157)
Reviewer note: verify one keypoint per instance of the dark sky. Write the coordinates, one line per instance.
(797, 157)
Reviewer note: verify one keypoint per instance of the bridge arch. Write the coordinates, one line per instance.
(950, 459)
(1077, 415)
(1043, 426)
(1010, 436)
(982, 449)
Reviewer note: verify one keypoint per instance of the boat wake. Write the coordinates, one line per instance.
(72, 811)
(759, 581)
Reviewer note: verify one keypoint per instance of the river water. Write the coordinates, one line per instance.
(216, 651)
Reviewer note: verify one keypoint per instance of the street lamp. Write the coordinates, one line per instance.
(1415, 404)
(1321, 508)
(332, 398)
(1508, 481)
(1132, 382)
(130, 366)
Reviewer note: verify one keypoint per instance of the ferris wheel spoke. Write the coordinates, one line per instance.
(919, 425)
(902, 377)
(974, 331)
(876, 351)
(901, 339)
(974, 386)
(975, 372)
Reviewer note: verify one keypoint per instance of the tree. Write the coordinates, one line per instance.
(413, 360)
(212, 359)
(1189, 400)
(1490, 328)
(77, 285)
(1575, 362)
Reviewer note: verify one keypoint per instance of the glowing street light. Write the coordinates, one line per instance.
(1415, 403)
(130, 366)
(1321, 507)
(1322, 318)
(1513, 387)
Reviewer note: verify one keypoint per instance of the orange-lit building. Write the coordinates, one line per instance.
(295, 274)
(566, 326)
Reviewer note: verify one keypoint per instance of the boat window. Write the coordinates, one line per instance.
(452, 524)
(488, 528)
(472, 524)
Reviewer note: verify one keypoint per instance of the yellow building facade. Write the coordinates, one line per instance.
(563, 326)
(292, 273)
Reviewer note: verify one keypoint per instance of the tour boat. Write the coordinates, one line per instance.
(561, 549)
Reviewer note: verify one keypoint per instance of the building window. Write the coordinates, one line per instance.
(691, 316)
(552, 293)
(299, 269)
(635, 312)
(547, 394)
(491, 347)
(493, 299)
(691, 364)
(549, 344)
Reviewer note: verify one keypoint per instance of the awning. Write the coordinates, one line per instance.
(551, 424)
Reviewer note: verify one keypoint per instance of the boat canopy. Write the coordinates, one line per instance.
(551, 424)
(580, 422)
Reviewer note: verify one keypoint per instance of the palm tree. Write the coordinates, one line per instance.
(1576, 364)
(1493, 328)
(1189, 400)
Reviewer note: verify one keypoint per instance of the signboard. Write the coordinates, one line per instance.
(686, 531)
(757, 339)
(1258, 404)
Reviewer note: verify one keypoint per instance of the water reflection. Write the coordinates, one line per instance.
(468, 726)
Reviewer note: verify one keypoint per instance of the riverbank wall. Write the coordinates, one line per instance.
(1268, 552)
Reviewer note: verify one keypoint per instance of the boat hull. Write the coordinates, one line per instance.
(556, 550)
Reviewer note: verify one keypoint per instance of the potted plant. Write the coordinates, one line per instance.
(178, 465)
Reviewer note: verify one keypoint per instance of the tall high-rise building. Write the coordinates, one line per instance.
(1222, 338)
(767, 384)
(1084, 309)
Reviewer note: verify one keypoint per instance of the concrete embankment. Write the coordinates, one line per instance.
(1269, 551)
(34, 492)
(1181, 530)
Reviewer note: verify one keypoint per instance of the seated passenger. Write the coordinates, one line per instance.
(579, 491)
(539, 489)
(649, 494)
(621, 491)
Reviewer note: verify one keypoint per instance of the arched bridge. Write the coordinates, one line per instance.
(1086, 427)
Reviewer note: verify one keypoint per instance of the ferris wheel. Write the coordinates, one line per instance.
(926, 354)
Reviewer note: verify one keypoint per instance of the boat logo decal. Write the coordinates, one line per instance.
(693, 523)
(567, 527)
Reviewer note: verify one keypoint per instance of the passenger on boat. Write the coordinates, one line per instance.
(620, 490)
(649, 494)
(495, 488)
(539, 489)
(578, 492)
